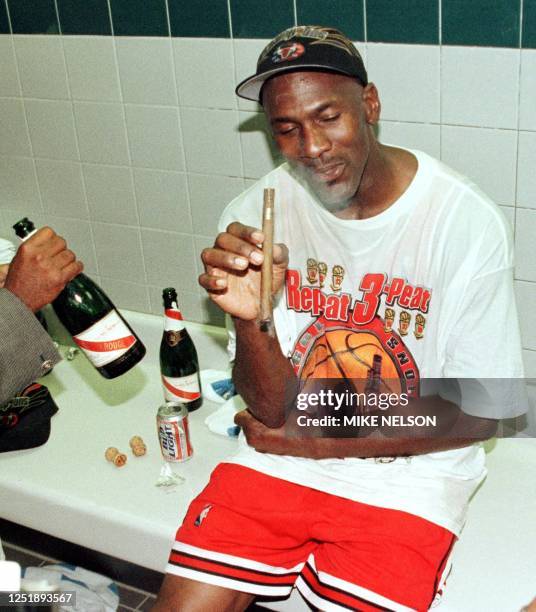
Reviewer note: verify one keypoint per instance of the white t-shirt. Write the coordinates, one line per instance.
(428, 286)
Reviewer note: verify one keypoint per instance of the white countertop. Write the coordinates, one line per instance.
(67, 488)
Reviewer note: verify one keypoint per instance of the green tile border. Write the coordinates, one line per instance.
(261, 18)
(86, 17)
(529, 24)
(481, 23)
(403, 21)
(139, 17)
(209, 21)
(345, 15)
(29, 17)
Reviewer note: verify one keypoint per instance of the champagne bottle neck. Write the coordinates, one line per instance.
(173, 320)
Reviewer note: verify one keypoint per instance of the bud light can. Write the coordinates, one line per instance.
(173, 433)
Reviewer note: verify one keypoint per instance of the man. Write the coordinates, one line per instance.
(390, 271)
(41, 268)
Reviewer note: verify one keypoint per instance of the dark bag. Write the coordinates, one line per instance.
(25, 419)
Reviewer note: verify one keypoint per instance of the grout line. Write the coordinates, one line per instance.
(440, 21)
(230, 18)
(182, 149)
(57, 16)
(168, 19)
(79, 161)
(8, 18)
(27, 551)
(27, 125)
(129, 159)
(365, 33)
(110, 17)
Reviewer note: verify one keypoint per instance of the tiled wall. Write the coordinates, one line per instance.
(131, 145)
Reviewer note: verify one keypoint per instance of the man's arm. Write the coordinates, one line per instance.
(262, 374)
(455, 429)
(39, 271)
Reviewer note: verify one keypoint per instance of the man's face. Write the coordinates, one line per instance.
(320, 122)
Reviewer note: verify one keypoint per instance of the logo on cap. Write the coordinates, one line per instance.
(287, 52)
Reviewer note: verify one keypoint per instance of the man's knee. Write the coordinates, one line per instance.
(179, 594)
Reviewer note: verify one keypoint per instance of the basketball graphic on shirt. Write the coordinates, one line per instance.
(368, 356)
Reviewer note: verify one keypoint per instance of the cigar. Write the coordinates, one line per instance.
(267, 263)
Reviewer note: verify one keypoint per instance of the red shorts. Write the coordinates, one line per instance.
(250, 532)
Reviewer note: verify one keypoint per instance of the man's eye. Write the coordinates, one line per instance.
(285, 130)
(331, 118)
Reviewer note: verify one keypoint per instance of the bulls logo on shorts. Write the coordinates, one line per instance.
(202, 516)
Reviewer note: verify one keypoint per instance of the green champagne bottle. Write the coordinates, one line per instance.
(90, 317)
(179, 365)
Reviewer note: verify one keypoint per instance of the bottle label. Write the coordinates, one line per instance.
(173, 321)
(105, 340)
(183, 389)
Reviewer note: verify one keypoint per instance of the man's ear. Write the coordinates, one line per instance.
(371, 104)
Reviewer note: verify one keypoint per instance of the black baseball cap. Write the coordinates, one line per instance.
(304, 47)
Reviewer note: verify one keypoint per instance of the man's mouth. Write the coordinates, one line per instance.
(329, 173)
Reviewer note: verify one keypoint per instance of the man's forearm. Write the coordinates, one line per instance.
(262, 374)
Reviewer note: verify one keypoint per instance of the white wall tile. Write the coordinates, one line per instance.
(61, 188)
(91, 68)
(18, 185)
(162, 199)
(132, 296)
(119, 252)
(246, 53)
(13, 133)
(110, 194)
(425, 137)
(77, 233)
(259, 151)
(525, 244)
(101, 132)
(154, 137)
(527, 97)
(529, 361)
(526, 298)
(146, 70)
(526, 168)
(209, 195)
(486, 156)
(51, 125)
(205, 72)
(479, 86)
(9, 80)
(169, 259)
(41, 66)
(211, 142)
(407, 78)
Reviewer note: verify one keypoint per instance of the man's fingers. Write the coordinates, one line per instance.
(64, 258)
(250, 234)
(215, 281)
(280, 254)
(71, 270)
(248, 251)
(224, 259)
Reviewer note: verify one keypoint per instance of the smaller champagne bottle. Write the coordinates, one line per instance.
(90, 317)
(179, 365)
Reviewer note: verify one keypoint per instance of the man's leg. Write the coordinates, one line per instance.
(179, 594)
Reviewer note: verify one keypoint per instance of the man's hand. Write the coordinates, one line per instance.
(3, 274)
(232, 275)
(41, 268)
(266, 439)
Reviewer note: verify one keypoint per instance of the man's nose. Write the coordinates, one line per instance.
(314, 142)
